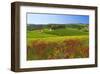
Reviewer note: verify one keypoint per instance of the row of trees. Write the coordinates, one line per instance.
(58, 26)
(55, 26)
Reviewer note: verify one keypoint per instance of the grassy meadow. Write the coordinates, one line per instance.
(56, 41)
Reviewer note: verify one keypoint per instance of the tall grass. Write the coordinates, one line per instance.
(64, 43)
(66, 49)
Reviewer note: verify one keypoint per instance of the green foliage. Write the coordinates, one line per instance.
(56, 26)
(54, 41)
(66, 32)
(68, 48)
(38, 34)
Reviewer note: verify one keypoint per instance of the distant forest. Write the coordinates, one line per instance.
(31, 27)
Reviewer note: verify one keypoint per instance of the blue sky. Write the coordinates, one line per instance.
(56, 19)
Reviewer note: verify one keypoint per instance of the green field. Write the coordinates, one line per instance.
(57, 43)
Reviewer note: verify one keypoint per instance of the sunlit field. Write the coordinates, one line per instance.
(54, 42)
